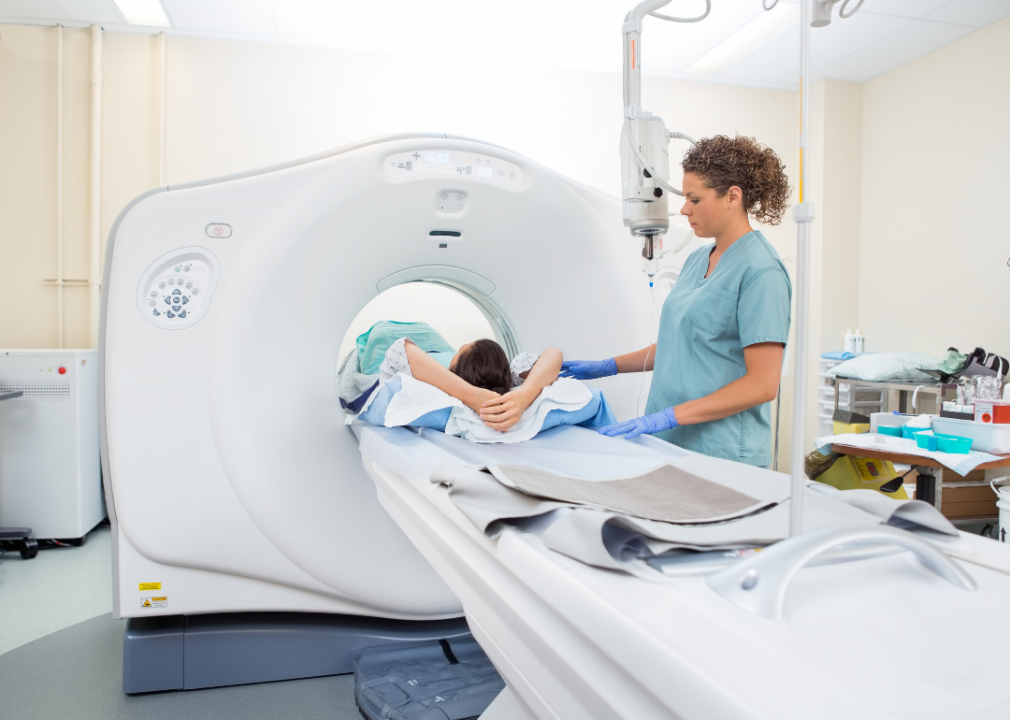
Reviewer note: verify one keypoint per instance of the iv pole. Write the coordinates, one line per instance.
(803, 215)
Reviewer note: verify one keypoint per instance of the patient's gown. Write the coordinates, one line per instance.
(380, 355)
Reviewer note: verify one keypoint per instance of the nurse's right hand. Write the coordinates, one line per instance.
(588, 369)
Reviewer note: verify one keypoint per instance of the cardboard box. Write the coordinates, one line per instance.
(974, 499)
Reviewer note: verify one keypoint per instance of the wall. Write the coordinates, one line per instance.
(834, 181)
(838, 187)
(237, 106)
(934, 243)
(28, 185)
(908, 169)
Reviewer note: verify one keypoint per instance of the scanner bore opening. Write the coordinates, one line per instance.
(458, 313)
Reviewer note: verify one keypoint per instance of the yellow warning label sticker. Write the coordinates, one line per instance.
(154, 602)
(150, 586)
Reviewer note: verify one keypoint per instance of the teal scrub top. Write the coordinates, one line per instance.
(703, 329)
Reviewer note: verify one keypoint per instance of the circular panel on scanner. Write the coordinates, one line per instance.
(175, 290)
(449, 312)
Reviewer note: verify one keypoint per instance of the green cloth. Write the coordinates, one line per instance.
(703, 329)
(951, 363)
(373, 343)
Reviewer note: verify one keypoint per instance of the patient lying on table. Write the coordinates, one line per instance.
(377, 380)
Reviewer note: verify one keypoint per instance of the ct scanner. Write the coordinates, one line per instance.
(258, 538)
(232, 483)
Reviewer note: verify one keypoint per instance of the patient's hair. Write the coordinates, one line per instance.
(722, 162)
(484, 364)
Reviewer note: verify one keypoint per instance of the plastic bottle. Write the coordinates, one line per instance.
(849, 345)
(858, 341)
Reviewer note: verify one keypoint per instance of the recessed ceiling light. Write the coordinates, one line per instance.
(747, 39)
(144, 12)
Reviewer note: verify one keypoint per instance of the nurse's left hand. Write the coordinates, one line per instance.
(501, 413)
(654, 423)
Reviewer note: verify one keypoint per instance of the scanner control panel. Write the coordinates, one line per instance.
(463, 165)
(176, 290)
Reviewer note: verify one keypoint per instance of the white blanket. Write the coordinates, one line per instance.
(417, 398)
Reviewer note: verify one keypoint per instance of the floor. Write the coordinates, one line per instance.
(61, 653)
(58, 588)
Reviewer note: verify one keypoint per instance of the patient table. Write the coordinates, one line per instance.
(572, 641)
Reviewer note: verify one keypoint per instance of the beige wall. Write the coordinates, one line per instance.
(236, 106)
(28, 185)
(934, 242)
(908, 170)
(834, 189)
(838, 190)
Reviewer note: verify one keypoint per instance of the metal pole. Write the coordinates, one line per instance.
(60, 321)
(778, 416)
(162, 53)
(803, 214)
(95, 247)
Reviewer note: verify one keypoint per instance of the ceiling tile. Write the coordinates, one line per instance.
(901, 8)
(910, 42)
(586, 36)
(573, 34)
(843, 38)
(34, 9)
(972, 12)
(673, 47)
(96, 11)
(776, 63)
(227, 17)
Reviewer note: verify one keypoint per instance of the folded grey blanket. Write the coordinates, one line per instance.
(615, 539)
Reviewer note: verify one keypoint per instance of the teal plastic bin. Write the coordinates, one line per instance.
(944, 443)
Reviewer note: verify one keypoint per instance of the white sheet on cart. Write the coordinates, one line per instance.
(961, 463)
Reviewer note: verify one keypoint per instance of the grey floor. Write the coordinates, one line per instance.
(58, 588)
(61, 654)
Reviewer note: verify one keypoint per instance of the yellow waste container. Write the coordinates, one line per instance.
(852, 473)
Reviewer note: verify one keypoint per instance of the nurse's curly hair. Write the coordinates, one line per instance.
(722, 162)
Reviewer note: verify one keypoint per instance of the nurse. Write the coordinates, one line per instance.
(718, 358)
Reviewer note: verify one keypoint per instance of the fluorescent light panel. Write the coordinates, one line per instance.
(144, 12)
(747, 39)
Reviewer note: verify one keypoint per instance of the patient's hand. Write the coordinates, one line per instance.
(476, 398)
(501, 413)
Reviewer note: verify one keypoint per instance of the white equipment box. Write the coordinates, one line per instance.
(50, 471)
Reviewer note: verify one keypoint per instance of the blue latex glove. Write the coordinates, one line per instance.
(588, 369)
(657, 422)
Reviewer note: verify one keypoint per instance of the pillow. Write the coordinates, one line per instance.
(888, 367)
(374, 342)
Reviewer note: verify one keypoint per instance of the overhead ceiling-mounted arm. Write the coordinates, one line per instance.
(645, 154)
